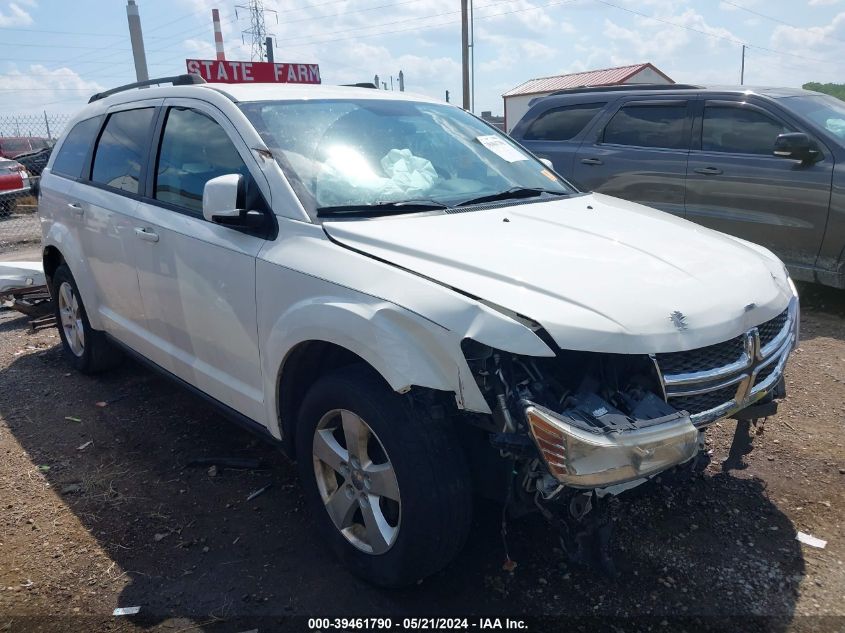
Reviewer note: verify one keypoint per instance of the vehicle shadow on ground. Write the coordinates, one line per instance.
(194, 547)
(829, 305)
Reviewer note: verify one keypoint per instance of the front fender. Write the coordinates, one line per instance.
(403, 347)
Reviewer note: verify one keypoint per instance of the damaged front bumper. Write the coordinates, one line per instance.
(580, 456)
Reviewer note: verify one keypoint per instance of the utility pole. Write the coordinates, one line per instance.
(257, 29)
(401, 81)
(742, 69)
(465, 52)
(137, 39)
(472, 55)
(269, 47)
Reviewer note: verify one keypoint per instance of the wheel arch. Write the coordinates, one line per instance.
(51, 258)
(304, 364)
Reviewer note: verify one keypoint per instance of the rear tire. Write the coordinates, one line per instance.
(88, 350)
(422, 510)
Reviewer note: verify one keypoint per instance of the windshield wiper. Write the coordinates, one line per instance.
(512, 193)
(381, 208)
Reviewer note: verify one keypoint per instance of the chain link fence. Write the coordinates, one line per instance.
(26, 141)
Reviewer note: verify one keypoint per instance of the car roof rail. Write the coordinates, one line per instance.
(176, 80)
(363, 84)
(625, 87)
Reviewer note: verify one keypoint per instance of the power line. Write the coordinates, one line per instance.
(416, 19)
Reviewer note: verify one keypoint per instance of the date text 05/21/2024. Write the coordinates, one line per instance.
(433, 624)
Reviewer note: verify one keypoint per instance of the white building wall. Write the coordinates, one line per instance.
(515, 109)
(517, 105)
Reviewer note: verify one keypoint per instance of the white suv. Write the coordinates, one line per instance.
(408, 302)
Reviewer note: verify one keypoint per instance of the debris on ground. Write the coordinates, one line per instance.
(232, 463)
(810, 540)
(260, 491)
(85, 445)
(126, 610)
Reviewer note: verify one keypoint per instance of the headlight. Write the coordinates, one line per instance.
(582, 459)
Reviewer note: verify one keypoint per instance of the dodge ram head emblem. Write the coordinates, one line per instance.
(679, 320)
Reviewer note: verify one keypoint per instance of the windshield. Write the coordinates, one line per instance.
(823, 110)
(367, 153)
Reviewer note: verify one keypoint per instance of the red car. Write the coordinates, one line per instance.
(14, 183)
(12, 146)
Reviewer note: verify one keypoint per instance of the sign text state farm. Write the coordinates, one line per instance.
(233, 72)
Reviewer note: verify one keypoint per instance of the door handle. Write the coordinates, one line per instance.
(708, 171)
(76, 209)
(592, 161)
(148, 235)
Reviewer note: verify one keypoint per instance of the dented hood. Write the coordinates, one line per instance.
(596, 272)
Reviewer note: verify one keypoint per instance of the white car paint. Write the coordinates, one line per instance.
(223, 310)
(600, 274)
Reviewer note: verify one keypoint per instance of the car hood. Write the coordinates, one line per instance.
(597, 273)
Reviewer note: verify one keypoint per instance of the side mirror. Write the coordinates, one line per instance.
(797, 146)
(224, 202)
(547, 163)
(223, 198)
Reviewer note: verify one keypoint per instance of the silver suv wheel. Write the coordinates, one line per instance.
(356, 481)
(71, 319)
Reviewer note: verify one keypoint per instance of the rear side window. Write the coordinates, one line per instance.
(194, 149)
(122, 149)
(739, 130)
(652, 125)
(562, 124)
(70, 160)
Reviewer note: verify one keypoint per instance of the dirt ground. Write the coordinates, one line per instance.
(100, 508)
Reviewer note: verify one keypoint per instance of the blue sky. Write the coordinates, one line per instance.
(55, 54)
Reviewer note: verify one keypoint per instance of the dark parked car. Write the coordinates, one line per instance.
(764, 164)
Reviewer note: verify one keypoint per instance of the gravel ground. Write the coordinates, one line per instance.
(101, 510)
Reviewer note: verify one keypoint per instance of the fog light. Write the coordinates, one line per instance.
(583, 459)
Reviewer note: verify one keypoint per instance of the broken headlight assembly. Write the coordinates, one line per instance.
(594, 420)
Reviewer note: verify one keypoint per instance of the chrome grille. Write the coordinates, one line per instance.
(770, 329)
(702, 359)
(714, 381)
(704, 401)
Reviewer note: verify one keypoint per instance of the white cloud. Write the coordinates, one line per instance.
(15, 15)
(38, 88)
(821, 3)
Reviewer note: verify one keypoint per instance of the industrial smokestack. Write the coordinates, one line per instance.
(137, 39)
(218, 34)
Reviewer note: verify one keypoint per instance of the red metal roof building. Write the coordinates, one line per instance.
(517, 99)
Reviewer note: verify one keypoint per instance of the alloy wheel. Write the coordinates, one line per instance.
(357, 482)
(71, 319)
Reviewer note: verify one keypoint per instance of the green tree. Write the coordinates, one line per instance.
(835, 90)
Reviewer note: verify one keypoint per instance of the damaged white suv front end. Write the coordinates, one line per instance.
(409, 303)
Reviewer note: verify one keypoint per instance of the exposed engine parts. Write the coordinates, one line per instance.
(579, 428)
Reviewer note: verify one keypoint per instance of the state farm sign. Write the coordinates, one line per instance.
(231, 72)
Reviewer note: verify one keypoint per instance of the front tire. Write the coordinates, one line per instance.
(87, 349)
(388, 485)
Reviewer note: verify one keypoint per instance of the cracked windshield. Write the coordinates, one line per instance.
(353, 155)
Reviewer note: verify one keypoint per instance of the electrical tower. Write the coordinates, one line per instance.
(257, 30)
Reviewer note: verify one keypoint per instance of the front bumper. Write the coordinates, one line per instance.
(580, 458)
